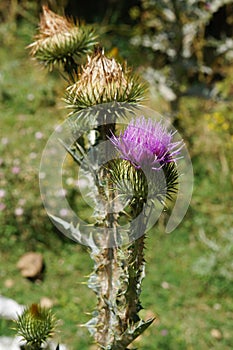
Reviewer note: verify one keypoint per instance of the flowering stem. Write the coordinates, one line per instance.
(116, 280)
(71, 68)
(108, 271)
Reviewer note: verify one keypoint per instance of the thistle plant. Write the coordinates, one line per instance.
(134, 172)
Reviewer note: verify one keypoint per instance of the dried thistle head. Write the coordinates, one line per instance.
(60, 41)
(35, 325)
(103, 80)
(51, 24)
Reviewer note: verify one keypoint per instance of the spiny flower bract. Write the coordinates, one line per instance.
(36, 324)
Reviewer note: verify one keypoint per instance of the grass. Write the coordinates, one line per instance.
(189, 303)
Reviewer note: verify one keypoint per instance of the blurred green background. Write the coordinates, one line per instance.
(184, 50)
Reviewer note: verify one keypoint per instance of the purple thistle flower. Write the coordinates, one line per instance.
(146, 143)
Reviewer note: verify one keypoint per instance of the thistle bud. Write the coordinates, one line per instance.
(103, 80)
(35, 325)
(60, 41)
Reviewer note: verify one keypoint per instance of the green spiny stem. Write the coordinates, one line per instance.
(108, 322)
(109, 273)
(136, 264)
(71, 68)
(119, 273)
(107, 269)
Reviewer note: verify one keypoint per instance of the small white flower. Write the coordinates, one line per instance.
(19, 211)
(2, 193)
(38, 135)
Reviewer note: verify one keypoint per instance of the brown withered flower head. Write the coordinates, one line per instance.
(103, 80)
(51, 24)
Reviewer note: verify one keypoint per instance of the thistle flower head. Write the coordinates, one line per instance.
(146, 143)
(103, 80)
(35, 325)
(147, 147)
(60, 41)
